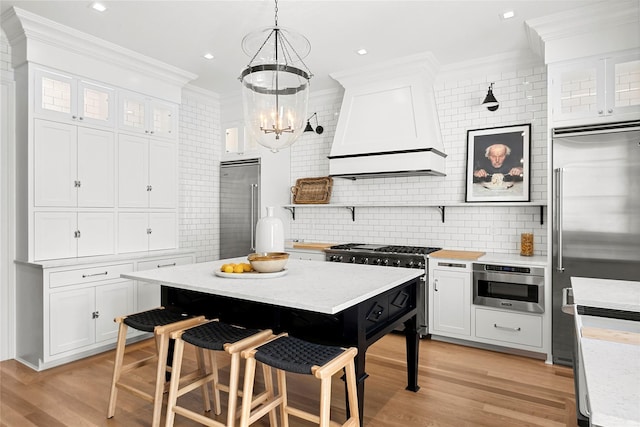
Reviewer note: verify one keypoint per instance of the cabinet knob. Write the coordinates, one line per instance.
(600, 112)
(435, 285)
(610, 110)
(149, 231)
(95, 314)
(74, 117)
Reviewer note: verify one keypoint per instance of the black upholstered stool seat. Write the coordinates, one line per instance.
(148, 320)
(214, 335)
(295, 355)
(290, 354)
(211, 337)
(161, 322)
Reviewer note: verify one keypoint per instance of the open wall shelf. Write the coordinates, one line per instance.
(440, 207)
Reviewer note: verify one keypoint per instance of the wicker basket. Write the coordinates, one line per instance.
(312, 190)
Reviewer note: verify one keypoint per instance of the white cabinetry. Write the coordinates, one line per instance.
(147, 172)
(450, 297)
(73, 166)
(453, 316)
(146, 231)
(65, 311)
(142, 114)
(82, 317)
(60, 96)
(73, 234)
(596, 89)
(509, 327)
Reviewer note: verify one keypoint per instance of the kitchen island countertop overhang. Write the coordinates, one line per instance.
(321, 287)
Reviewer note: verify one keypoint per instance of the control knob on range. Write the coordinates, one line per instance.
(365, 261)
(420, 264)
(378, 261)
(352, 260)
(410, 265)
(396, 263)
(385, 262)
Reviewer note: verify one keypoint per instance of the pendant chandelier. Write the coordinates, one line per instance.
(275, 85)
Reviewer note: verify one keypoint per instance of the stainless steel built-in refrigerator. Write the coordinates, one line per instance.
(239, 206)
(596, 214)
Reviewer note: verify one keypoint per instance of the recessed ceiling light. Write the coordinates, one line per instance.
(98, 6)
(507, 14)
(208, 56)
(361, 51)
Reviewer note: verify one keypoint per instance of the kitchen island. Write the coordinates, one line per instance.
(328, 303)
(608, 331)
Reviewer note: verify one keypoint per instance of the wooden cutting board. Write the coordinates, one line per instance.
(312, 246)
(611, 335)
(463, 255)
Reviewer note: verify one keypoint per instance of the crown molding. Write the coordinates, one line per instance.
(24, 28)
(595, 21)
(494, 64)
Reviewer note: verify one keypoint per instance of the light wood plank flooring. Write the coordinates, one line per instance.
(460, 386)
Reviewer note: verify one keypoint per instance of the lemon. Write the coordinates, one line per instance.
(238, 268)
(228, 268)
(247, 267)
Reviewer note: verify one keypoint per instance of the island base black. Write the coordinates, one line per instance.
(358, 326)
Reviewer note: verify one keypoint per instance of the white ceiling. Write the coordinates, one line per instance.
(180, 32)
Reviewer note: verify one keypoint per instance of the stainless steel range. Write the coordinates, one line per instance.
(390, 256)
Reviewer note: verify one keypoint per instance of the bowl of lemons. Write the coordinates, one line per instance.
(268, 262)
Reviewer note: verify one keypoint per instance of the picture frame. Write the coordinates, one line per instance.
(499, 164)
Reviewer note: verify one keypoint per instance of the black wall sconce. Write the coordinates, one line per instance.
(319, 129)
(490, 101)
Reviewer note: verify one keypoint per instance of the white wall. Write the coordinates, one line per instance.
(521, 91)
(7, 270)
(199, 161)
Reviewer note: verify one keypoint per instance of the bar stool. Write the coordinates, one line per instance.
(161, 322)
(289, 354)
(213, 336)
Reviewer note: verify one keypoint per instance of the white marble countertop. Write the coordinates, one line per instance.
(514, 259)
(612, 369)
(603, 293)
(64, 262)
(309, 285)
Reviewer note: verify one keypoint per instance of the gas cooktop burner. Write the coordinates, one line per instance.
(385, 249)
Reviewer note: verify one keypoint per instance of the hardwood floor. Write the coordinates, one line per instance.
(460, 386)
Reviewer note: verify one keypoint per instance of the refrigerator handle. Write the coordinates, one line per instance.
(253, 216)
(559, 176)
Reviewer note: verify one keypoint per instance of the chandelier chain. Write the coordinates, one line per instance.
(276, 14)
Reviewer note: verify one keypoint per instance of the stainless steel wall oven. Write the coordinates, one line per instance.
(509, 287)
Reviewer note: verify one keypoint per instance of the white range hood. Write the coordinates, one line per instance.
(388, 124)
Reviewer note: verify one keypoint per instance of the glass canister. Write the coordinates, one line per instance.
(526, 244)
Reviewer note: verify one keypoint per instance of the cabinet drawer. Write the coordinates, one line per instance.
(88, 275)
(509, 327)
(164, 262)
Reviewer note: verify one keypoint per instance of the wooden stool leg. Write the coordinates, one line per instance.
(117, 367)
(352, 389)
(282, 389)
(213, 362)
(233, 389)
(268, 384)
(162, 342)
(247, 391)
(175, 381)
(325, 401)
(202, 371)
